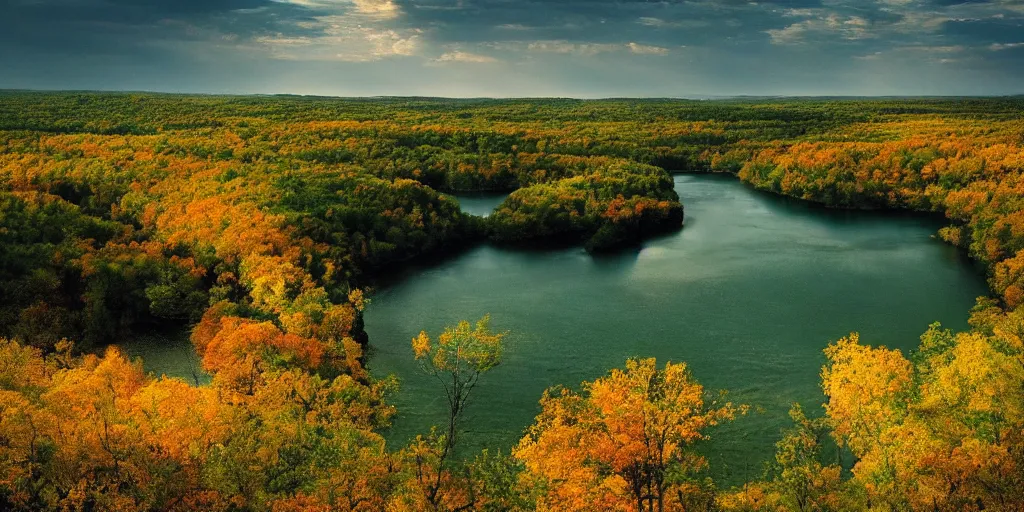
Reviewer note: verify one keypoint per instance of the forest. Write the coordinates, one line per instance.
(259, 222)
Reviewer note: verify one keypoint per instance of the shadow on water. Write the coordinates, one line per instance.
(620, 261)
(804, 207)
(167, 352)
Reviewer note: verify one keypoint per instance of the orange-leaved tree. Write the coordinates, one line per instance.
(625, 443)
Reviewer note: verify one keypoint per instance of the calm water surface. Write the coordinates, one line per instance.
(481, 204)
(169, 353)
(748, 293)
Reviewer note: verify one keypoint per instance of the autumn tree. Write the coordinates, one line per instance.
(941, 433)
(122, 212)
(625, 443)
(804, 482)
(457, 360)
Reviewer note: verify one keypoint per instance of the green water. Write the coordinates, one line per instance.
(481, 204)
(748, 293)
(169, 353)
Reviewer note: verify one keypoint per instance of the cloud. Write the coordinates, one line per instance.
(792, 13)
(379, 9)
(568, 47)
(513, 26)
(791, 34)
(870, 56)
(934, 49)
(556, 46)
(340, 38)
(343, 31)
(577, 48)
(998, 47)
(649, 21)
(829, 25)
(385, 9)
(461, 56)
(644, 49)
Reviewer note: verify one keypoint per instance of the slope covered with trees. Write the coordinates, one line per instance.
(260, 220)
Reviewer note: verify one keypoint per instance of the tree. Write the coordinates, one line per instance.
(804, 482)
(625, 443)
(868, 389)
(460, 357)
(942, 433)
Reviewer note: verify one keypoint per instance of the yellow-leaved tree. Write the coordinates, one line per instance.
(625, 443)
(941, 433)
(461, 355)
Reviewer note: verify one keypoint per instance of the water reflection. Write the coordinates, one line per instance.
(481, 204)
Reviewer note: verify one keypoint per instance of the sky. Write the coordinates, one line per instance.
(517, 48)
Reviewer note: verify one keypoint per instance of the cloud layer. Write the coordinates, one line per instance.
(580, 48)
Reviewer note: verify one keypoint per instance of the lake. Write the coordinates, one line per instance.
(748, 293)
(480, 204)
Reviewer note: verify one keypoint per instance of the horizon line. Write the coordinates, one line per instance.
(693, 97)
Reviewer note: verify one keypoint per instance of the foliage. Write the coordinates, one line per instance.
(607, 208)
(625, 443)
(260, 220)
(460, 357)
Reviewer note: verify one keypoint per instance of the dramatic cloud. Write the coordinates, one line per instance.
(339, 38)
(517, 47)
(380, 9)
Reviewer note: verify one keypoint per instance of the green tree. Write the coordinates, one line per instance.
(461, 355)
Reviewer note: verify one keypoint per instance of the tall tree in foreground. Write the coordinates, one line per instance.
(940, 433)
(461, 355)
(625, 443)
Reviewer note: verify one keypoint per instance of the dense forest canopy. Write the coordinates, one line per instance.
(258, 221)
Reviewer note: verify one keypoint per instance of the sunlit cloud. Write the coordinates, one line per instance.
(461, 56)
(996, 47)
(578, 48)
(844, 27)
(380, 9)
(340, 38)
(573, 48)
(645, 49)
